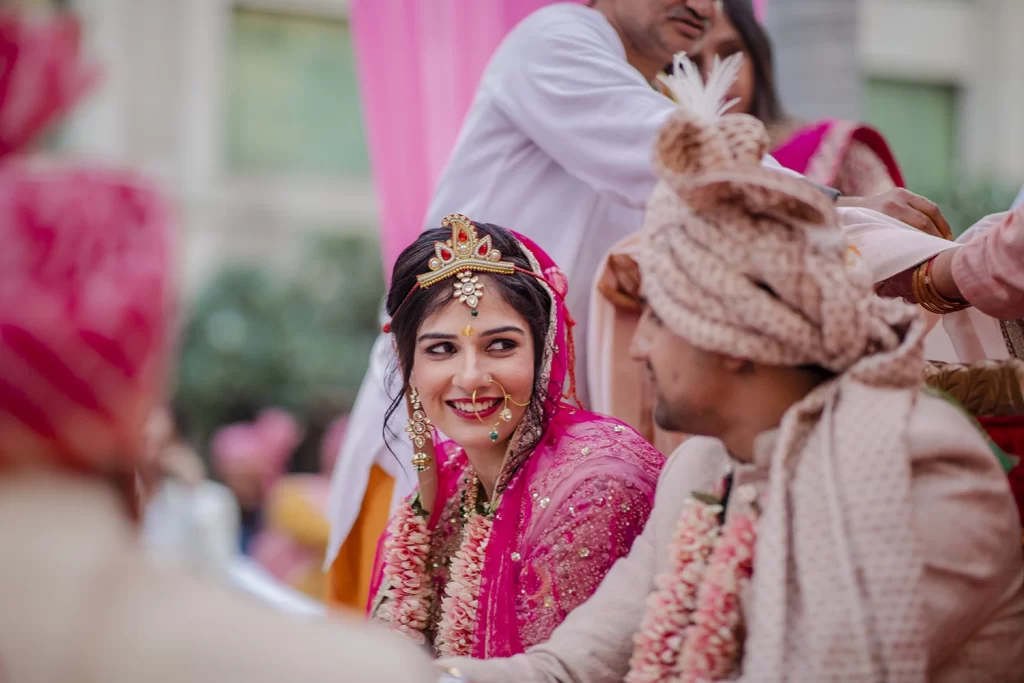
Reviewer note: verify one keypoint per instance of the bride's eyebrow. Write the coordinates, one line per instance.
(435, 336)
(503, 330)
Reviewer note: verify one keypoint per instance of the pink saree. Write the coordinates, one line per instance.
(846, 155)
(566, 510)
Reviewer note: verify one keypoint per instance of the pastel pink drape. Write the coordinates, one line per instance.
(419, 64)
(760, 8)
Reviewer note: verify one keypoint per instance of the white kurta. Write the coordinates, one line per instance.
(557, 146)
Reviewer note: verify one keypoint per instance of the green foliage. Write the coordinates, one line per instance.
(254, 340)
(967, 202)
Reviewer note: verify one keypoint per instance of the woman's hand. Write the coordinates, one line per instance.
(900, 286)
(906, 207)
(942, 276)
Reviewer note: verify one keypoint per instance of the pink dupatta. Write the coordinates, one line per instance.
(818, 150)
(567, 509)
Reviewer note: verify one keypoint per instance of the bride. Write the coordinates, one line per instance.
(526, 501)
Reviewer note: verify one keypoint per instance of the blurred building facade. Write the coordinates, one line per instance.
(248, 110)
(943, 79)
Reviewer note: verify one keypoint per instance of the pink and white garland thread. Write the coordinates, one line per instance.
(690, 631)
(409, 591)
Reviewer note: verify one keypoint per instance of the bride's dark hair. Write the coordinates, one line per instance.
(523, 293)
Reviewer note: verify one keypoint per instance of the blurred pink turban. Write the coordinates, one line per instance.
(264, 445)
(85, 295)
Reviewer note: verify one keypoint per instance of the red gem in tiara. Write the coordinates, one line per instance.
(464, 251)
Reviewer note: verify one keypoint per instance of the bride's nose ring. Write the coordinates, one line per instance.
(505, 414)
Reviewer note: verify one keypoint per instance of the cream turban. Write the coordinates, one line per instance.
(744, 260)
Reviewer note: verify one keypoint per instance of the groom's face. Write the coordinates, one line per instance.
(691, 385)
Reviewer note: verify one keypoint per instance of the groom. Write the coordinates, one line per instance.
(864, 531)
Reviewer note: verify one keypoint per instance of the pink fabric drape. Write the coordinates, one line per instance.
(818, 150)
(760, 9)
(418, 65)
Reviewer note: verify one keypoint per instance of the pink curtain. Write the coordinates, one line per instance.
(418, 64)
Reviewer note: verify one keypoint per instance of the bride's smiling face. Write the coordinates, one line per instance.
(457, 354)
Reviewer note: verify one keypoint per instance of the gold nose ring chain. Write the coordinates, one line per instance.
(505, 414)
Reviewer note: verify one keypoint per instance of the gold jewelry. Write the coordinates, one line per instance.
(467, 331)
(928, 297)
(420, 430)
(505, 413)
(472, 492)
(471, 497)
(459, 256)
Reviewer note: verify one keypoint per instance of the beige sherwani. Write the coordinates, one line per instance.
(967, 523)
(79, 603)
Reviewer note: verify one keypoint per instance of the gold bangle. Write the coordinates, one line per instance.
(928, 297)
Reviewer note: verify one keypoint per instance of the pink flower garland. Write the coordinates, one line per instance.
(670, 606)
(689, 633)
(408, 590)
(462, 593)
(711, 648)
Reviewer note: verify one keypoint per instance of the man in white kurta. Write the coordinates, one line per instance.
(556, 145)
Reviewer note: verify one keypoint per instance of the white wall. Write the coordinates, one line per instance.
(816, 56)
(975, 45)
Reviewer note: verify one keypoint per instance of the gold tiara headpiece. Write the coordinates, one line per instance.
(460, 256)
(463, 251)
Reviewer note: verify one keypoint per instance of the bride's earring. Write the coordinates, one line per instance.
(419, 430)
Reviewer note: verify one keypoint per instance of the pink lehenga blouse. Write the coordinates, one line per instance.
(565, 511)
(849, 156)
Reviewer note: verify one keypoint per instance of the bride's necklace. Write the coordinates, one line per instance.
(462, 592)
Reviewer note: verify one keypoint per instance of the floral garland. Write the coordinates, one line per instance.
(462, 592)
(712, 648)
(690, 631)
(408, 593)
(669, 608)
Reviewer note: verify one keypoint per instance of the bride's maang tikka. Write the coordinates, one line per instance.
(460, 256)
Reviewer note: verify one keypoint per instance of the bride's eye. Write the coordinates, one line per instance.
(502, 345)
(442, 349)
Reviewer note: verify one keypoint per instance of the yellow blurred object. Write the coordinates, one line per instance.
(295, 507)
(293, 540)
(348, 580)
